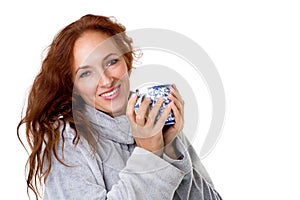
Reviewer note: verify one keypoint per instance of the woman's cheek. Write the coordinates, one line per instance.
(88, 87)
(121, 71)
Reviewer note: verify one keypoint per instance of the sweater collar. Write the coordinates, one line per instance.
(117, 129)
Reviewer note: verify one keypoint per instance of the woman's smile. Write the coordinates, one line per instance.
(112, 93)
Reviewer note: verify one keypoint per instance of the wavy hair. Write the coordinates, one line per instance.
(51, 97)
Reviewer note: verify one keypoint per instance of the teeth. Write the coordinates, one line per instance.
(110, 93)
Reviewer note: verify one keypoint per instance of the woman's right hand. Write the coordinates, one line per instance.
(146, 132)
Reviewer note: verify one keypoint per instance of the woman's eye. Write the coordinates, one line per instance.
(112, 62)
(85, 74)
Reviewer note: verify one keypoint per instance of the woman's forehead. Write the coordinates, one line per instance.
(93, 47)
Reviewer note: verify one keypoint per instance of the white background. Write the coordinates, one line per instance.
(255, 46)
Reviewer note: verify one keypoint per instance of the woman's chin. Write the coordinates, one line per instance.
(118, 109)
(114, 108)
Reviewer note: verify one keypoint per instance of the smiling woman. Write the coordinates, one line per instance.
(103, 79)
(86, 139)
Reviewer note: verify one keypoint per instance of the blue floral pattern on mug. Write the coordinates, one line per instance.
(155, 92)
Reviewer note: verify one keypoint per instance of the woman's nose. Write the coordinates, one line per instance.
(105, 80)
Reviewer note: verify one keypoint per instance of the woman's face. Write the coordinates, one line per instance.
(100, 73)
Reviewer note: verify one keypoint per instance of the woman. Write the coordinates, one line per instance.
(86, 140)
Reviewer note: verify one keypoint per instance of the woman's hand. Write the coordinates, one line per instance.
(171, 131)
(146, 132)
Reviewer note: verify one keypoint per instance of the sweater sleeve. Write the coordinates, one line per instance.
(145, 176)
(196, 184)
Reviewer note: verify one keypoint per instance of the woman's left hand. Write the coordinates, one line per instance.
(177, 106)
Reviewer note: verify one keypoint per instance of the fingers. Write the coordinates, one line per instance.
(178, 116)
(155, 110)
(142, 112)
(163, 117)
(130, 108)
(177, 106)
(176, 98)
(174, 91)
(144, 117)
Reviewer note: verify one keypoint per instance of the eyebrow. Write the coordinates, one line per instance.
(111, 54)
(82, 67)
(88, 66)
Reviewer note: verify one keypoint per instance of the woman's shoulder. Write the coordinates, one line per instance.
(72, 144)
(69, 136)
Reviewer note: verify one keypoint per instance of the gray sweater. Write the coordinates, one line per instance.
(120, 170)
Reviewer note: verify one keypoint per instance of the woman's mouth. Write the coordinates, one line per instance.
(112, 93)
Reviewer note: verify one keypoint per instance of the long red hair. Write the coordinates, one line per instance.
(51, 97)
